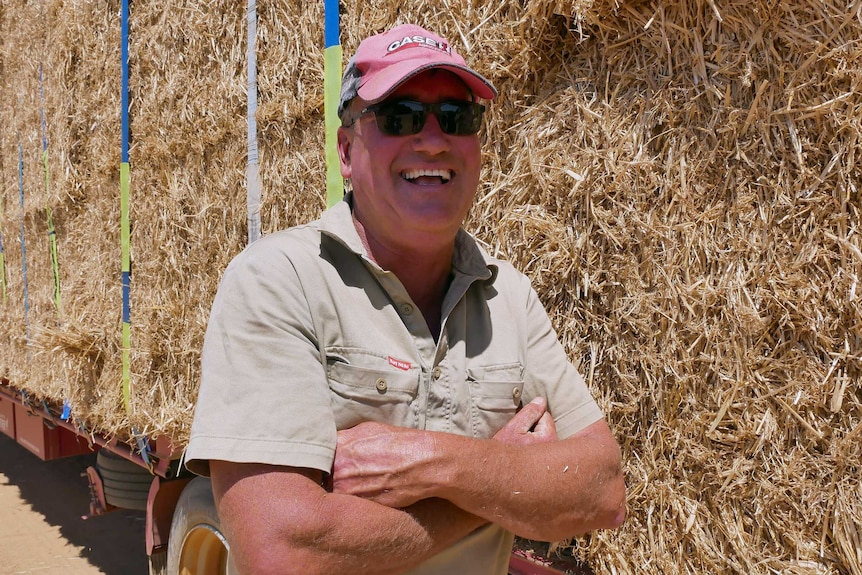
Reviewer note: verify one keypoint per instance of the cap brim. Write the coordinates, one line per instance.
(385, 82)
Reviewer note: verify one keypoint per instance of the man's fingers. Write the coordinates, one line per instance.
(530, 414)
(518, 429)
(545, 429)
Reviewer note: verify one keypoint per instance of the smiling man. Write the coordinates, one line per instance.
(378, 394)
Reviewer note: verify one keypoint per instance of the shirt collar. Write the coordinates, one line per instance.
(469, 258)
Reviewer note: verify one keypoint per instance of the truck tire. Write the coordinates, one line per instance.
(126, 484)
(196, 545)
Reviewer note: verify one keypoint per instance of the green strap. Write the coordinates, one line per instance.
(52, 235)
(2, 271)
(331, 94)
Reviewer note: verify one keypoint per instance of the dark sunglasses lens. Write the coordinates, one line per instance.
(460, 118)
(402, 118)
(406, 117)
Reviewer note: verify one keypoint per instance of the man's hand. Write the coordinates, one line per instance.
(375, 460)
(525, 478)
(532, 424)
(380, 462)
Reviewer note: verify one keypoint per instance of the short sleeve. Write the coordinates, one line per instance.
(569, 399)
(263, 396)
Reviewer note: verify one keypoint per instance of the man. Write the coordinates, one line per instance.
(378, 394)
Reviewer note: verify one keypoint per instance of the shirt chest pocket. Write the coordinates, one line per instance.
(495, 396)
(366, 394)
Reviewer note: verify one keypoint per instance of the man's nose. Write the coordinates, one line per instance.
(431, 139)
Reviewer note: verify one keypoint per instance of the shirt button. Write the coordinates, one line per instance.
(381, 385)
(437, 373)
(516, 394)
(406, 309)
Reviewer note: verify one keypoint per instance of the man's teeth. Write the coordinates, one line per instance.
(444, 175)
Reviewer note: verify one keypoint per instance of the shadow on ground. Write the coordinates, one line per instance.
(113, 543)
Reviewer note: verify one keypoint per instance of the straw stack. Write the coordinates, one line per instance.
(681, 182)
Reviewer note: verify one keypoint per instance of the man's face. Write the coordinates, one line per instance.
(407, 188)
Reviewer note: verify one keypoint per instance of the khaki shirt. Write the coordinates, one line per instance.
(308, 336)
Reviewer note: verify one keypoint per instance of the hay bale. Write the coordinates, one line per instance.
(681, 182)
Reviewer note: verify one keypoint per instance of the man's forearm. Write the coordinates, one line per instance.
(537, 487)
(310, 531)
(549, 491)
(363, 537)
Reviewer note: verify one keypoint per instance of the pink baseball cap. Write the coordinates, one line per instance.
(385, 61)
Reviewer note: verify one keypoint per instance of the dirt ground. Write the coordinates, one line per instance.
(43, 525)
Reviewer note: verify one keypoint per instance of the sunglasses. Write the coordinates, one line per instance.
(407, 117)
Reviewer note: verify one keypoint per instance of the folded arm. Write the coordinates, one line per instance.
(401, 496)
(537, 487)
(280, 520)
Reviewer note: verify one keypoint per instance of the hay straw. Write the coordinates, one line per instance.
(680, 181)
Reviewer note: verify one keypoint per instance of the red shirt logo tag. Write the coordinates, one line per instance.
(405, 365)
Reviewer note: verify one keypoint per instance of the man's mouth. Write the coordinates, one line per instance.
(427, 177)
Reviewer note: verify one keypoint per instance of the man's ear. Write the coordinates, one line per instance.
(345, 140)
